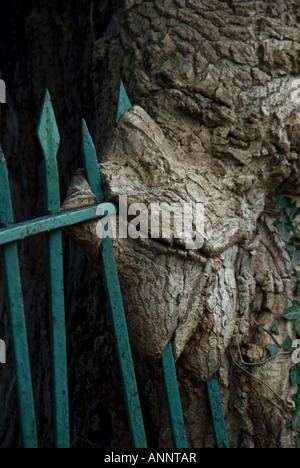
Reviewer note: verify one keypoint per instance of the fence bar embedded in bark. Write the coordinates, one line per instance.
(130, 388)
(173, 398)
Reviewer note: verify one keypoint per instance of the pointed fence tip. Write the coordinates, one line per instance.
(2, 157)
(46, 98)
(47, 129)
(124, 104)
(85, 135)
(84, 126)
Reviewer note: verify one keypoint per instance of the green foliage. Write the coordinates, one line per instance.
(294, 253)
(295, 375)
(287, 344)
(291, 237)
(296, 415)
(293, 314)
(273, 349)
(275, 330)
(284, 203)
(286, 228)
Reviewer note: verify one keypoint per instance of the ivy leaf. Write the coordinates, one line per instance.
(289, 425)
(273, 349)
(284, 202)
(275, 330)
(295, 376)
(293, 211)
(287, 345)
(294, 253)
(296, 258)
(285, 220)
(285, 230)
(296, 415)
(261, 327)
(293, 312)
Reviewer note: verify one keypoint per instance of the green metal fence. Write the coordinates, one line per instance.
(52, 224)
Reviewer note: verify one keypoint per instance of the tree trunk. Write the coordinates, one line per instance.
(215, 92)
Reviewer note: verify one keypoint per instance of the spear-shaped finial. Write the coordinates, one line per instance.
(49, 139)
(124, 104)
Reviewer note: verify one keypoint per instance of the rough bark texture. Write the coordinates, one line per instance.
(215, 86)
(219, 83)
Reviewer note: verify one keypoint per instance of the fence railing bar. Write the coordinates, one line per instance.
(173, 398)
(168, 365)
(217, 413)
(49, 139)
(17, 318)
(49, 223)
(124, 355)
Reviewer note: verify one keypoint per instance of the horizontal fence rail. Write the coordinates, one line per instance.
(51, 222)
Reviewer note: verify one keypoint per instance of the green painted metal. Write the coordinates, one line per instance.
(90, 162)
(217, 413)
(51, 222)
(124, 104)
(49, 140)
(130, 388)
(17, 318)
(6, 211)
(173, 398)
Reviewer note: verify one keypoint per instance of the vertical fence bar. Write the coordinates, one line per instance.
(17, 318)
(49, 140)
(217, 413)
(130, 388)
(173, 398)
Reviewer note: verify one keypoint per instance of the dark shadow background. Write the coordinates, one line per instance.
(48, 44)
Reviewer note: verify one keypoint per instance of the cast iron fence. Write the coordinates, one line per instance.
(52, 224)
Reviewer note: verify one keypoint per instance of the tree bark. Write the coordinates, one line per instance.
(215, 118)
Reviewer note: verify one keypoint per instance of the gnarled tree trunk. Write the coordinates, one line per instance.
(215, 92)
